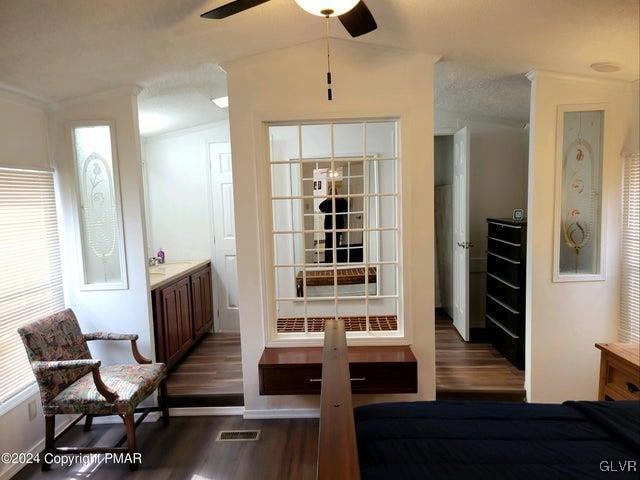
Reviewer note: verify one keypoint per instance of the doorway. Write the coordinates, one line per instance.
(481, 174)
(189, 203)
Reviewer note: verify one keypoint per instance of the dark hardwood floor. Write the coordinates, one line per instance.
(187, 449)
(210, 375)
(472, 371)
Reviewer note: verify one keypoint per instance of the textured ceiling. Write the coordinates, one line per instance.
(63, 49)
(475, 91)
(181, 100)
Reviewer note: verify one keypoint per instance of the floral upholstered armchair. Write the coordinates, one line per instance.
(71, 382)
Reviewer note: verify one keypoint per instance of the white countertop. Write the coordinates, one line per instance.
(163, 274)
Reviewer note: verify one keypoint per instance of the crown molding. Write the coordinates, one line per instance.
(185, 131)
(22, 97)
(535, 74)
(132, 90)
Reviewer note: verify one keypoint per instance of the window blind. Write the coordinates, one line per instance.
(630, 301)
(30, 267)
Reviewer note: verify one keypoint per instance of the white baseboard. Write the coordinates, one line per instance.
(205, 411)
(14, 468)
(282, 413)
(152, 417)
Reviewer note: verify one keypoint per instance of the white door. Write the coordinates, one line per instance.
(461, 243)
(224, 239)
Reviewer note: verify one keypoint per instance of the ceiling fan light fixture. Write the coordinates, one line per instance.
(327, 8)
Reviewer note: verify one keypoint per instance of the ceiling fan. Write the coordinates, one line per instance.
(353, 14)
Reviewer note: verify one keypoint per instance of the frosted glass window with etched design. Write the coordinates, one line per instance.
(99, 211)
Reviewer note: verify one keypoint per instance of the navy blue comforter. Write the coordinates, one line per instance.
(484, 440)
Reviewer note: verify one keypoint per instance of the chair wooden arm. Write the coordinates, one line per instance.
(132, 337)
(103, 389)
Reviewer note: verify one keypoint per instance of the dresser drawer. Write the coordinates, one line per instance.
(503, 248)
(505, 268)
(505, 292)
(506, 343)
(505, 318)
(509, 233)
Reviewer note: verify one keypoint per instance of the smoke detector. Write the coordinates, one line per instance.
(605, 67)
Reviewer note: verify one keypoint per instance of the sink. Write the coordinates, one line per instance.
(166, 271)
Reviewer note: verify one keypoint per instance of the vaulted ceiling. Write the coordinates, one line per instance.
(63, 49)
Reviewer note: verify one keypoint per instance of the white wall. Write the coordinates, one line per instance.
(179, 206)
(23, 143)
(126, 311)
(369, 82)
(498, 174)
(564, 320)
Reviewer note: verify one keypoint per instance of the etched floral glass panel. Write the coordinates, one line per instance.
(581, 193)
(101, 237)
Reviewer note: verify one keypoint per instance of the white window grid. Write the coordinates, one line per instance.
(366, 230)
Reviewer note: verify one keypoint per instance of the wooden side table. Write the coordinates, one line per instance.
(619, 371)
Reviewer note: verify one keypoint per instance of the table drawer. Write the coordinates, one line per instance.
(380, 378)
(291, 380)
(621, 383)
(365, 378)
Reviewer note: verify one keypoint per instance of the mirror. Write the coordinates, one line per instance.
(335, 227)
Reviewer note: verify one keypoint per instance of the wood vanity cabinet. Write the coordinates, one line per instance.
(177, 319)
(182, 314)
(202, 302)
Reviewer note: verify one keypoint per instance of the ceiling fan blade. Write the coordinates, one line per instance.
(358, 20)
(232, 8)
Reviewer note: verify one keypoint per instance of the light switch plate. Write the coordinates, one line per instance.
(33, 409)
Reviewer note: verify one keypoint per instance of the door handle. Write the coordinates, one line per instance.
(465, 245)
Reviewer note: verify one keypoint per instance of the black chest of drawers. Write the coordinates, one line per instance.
(506, 287)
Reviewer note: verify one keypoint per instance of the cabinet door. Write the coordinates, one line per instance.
(202, 302)
(176, 306)
(186, 326)
(170, 309)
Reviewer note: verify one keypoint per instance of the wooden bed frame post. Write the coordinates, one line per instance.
(337, 447)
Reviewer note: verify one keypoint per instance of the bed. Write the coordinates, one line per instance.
(475, 440)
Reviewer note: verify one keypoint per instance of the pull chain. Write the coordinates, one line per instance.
(329, 92)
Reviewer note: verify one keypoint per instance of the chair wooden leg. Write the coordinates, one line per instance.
(130, 424)
(88, 423)
(49, 439)
(164, 402)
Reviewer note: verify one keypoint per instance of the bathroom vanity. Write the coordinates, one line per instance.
(182, 302)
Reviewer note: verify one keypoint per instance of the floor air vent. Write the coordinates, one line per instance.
(238, 436)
